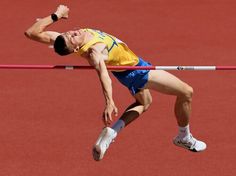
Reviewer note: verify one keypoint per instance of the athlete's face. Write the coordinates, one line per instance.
(75, 38)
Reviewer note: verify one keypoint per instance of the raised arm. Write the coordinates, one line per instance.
(38, 31)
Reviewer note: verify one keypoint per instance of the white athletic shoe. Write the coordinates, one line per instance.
(104, 140)
(192, 144)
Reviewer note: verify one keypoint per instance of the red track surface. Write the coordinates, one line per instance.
(50, 118)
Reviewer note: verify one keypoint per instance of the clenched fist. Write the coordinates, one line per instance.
(62, 11)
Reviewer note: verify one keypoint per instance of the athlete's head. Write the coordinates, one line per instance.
(69, 42)
(61, 47)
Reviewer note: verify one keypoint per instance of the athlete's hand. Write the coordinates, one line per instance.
(62, 11)
(107, 114)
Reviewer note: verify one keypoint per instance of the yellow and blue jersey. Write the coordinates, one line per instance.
(118, 52)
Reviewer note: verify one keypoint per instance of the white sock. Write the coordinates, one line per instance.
(184, 133)
(118, 125)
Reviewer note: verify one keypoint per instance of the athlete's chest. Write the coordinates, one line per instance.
(100, 49)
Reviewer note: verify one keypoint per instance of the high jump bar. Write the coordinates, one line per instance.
(85, 67)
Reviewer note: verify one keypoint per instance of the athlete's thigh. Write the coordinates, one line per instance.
(165, 82)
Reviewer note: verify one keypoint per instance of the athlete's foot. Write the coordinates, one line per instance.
(103, 142)
(191, 144)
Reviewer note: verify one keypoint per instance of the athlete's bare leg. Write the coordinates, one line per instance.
(143, 101)
(167, 83)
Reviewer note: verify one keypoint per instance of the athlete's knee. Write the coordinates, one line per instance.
(147, 103)
(187, 92)
(144, 98)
